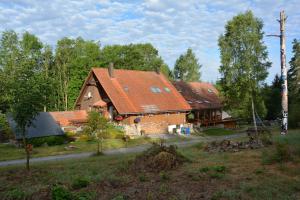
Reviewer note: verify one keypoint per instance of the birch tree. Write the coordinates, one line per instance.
(244, 64)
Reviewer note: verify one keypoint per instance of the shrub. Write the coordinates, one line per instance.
(85, 137)
(80, 183)
(283, 152)
(114, 132)
(15, 194)
(85, 196)
(49, 140)
(61, 193)
(5, 130)
(142, 178)
(219, 168)
(164, 176)
(204, 169)
(294, 115)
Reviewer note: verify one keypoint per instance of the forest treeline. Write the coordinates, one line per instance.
(60, 72)
(65, 68)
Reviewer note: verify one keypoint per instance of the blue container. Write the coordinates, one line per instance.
(183, 131)
(187, 130)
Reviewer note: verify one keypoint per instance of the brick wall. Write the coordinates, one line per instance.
(158, 123)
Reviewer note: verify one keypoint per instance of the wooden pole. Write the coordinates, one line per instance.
(284, 90)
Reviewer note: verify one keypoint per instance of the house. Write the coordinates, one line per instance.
(51, 123)
(141, 101)
(207, 108)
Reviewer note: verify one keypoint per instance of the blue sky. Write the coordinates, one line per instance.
(170, 25)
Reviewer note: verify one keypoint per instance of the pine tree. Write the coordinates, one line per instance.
(187, 67)
(294, 86)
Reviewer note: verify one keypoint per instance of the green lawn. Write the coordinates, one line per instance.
(10, 152)
(218, 132)
(240, 175)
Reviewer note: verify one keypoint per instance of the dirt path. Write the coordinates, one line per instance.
(135, 149)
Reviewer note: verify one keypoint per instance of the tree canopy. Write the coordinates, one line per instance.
(187, 67)
(294, 85)
(244, 64)
(24, 80)
(135, 57)
(67, 66)
(272, 98)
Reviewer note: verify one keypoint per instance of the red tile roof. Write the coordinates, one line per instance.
(67, 118)
(140, 91)
(199, 95)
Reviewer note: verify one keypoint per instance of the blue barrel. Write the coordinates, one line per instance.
(187, 130)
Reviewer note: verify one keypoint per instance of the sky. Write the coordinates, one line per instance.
(171, 26)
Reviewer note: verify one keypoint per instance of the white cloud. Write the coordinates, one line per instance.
(171, 26)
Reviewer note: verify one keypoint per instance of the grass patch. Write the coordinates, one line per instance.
(10, 152)
(286, 148)
(218, 132)
(238, 175)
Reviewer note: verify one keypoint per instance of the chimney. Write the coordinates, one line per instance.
(111, 70)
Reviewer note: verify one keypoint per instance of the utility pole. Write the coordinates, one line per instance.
(284, 90)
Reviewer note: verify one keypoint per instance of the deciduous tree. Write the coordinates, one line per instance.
(28, 86)
(135, 57)
(97, 127)
(244, 64)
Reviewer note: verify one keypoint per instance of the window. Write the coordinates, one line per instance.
(167, 89)
(155, 90)
(126, 89)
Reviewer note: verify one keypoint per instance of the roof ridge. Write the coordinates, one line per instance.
(104, 68)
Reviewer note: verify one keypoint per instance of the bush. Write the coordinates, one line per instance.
(5, 130)
(49, 140)
(15, 194)
(80, 183)
(61, 193)
(164, 176)
(142, 178)
(114, 132)
(85, 138)
(281, 153)
(294, 115)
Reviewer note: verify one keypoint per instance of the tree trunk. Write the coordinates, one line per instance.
(26, 150)
(254, 120)
(101, 144)
(98, 147)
